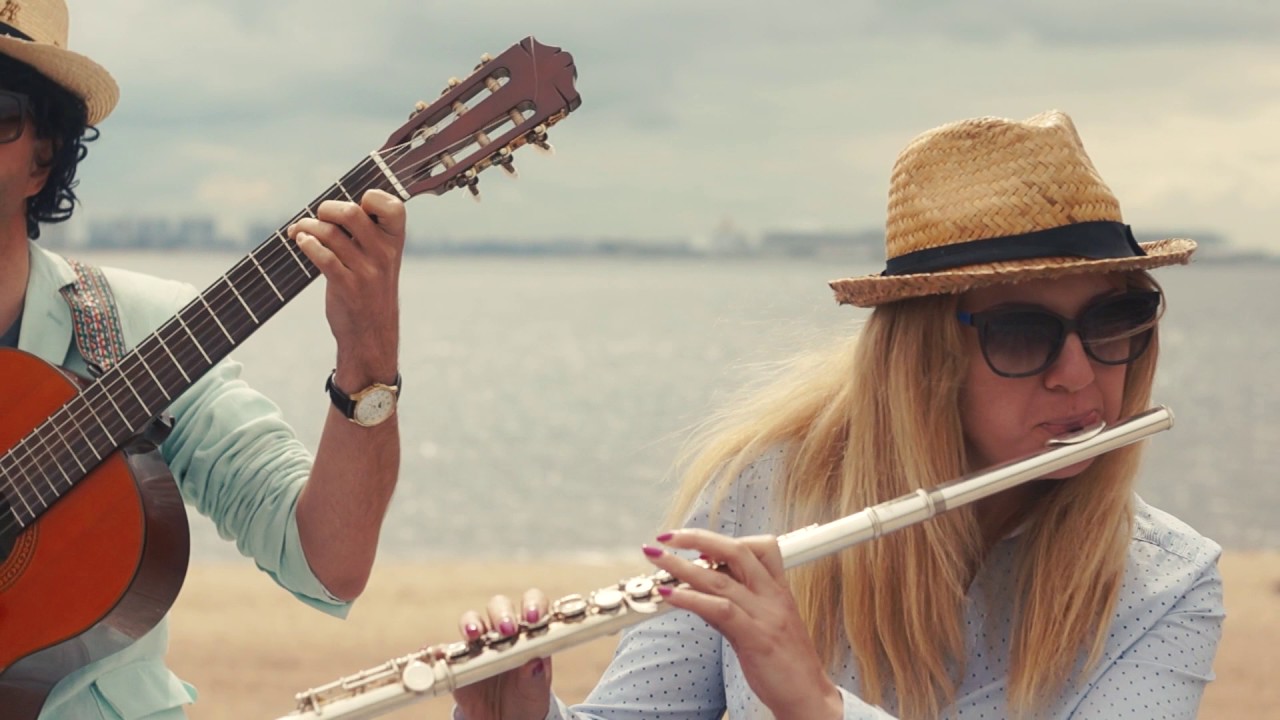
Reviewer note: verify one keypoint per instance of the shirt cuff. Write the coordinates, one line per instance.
(297, 577)
(855, 708)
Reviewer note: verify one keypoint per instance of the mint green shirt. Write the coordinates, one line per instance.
(234, 459)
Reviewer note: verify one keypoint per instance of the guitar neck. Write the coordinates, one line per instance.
(118, 405)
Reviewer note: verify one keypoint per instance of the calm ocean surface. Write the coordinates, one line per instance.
(545, 398)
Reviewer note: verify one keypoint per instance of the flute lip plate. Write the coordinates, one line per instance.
(1078, 436)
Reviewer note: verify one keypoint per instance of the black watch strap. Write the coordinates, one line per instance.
(343, 401)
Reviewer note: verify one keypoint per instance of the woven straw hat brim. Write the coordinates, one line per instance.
(872, 290)
(85, 78)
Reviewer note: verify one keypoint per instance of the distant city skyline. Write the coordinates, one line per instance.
(200, 233)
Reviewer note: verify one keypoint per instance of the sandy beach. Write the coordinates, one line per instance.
(249, 647)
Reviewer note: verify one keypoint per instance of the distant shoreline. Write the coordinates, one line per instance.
(628, 252)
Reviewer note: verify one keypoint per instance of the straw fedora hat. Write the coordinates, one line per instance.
(35, 32)
(990, 200)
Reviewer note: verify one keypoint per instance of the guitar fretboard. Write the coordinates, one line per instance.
(118, 405)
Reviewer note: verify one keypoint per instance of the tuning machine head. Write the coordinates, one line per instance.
(537, 137)
(453, 83)
(471, 181)
(504, 160)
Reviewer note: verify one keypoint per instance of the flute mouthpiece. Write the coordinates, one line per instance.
(1078, 436)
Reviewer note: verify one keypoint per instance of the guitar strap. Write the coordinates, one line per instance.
(94, 317)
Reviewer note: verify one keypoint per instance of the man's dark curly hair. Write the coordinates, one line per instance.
(59, 116)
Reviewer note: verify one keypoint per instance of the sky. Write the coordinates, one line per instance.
(696, 113)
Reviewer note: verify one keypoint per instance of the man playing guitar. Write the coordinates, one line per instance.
(312, 524)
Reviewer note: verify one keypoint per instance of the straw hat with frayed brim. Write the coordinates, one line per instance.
(35, 32)
(989, 200)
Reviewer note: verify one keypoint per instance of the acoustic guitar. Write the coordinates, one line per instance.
(93, 533)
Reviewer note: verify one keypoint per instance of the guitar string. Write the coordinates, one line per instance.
(275, 256)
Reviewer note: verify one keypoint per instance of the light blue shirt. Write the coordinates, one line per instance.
(234, 458)
(1156, 662)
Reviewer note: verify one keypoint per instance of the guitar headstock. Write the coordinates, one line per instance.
(477, 123)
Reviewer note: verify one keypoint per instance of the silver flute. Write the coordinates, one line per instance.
(573, 619)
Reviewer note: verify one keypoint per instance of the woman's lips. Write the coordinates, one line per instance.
(1073, 423)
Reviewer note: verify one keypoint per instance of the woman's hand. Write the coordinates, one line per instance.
(520, 694)
(752, 606)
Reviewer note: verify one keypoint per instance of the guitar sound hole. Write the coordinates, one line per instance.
(8, 532)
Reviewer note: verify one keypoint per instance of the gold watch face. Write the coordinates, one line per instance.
(374, 406)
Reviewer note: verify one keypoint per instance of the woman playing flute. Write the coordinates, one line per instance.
(1015, 307)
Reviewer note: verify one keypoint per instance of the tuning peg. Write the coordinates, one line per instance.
(418, 107)
(471, 181)
(538, 138)
(484, 60)
(503, 159)
(453, 83)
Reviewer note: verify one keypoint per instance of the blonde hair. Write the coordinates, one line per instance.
(877, 417)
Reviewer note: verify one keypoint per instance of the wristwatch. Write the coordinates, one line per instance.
(367, 407)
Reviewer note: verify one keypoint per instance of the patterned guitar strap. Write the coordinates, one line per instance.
(99, 337)
(94, 317)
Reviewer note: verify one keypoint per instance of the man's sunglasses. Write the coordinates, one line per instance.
(13, 115)
(1024, 341)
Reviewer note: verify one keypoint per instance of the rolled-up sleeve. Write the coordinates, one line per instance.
(233, 455)
(240, 464)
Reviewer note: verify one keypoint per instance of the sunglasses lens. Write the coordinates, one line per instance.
(1020, 342)
(1119, 330)
(11, 117)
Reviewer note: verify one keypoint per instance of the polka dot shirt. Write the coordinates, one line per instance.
(1156, 663)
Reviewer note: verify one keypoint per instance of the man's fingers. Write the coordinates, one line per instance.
(387, 209)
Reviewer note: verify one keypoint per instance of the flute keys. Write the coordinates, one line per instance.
(607, 600)
(418, 676)
(570, 607)
(457, 651)
(639, 588)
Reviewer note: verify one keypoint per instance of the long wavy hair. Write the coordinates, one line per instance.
(59, 116)
(877, 417)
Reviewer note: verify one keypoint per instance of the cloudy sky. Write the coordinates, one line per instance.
(769, 115)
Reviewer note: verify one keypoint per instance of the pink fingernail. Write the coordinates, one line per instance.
(531, 615)
(652, 552)
(506, 627)
(665, 591)
(472, 630)
(666, 536)
(539, 667)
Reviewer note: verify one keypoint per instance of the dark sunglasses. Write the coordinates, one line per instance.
(1024, 341)
(13, 115)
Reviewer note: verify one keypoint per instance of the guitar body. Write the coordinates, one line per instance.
(96, 571)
